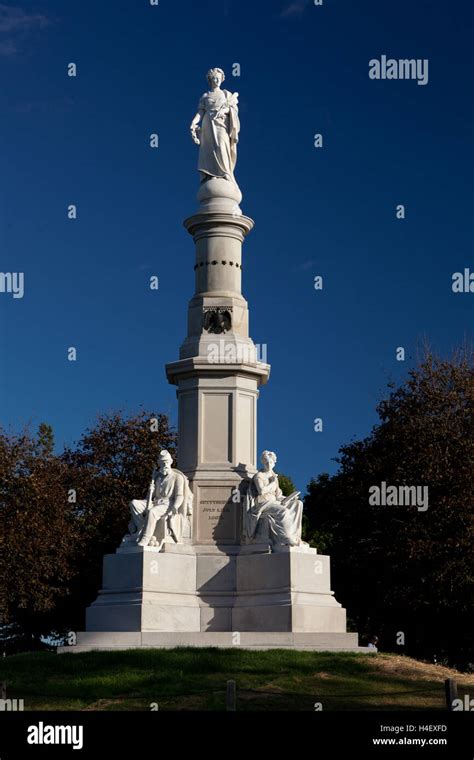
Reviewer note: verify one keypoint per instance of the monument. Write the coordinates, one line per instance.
(214, 555)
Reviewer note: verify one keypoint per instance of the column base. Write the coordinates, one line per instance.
(314, 642)
(149, 597)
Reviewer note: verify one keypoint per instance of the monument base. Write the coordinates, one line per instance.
(200, 595)
(113, 641)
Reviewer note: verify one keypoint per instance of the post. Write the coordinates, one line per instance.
(231, 697)
(451, 689)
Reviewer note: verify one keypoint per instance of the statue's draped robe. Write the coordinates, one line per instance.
(284, 521)
(219, 134)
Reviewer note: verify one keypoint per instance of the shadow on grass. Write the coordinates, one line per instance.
(193, 679)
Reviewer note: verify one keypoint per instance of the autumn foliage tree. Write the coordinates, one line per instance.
(404, 574)
(37, 531)
(59, 514)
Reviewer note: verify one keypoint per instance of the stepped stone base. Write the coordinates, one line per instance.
(113, 641)
(200, 595)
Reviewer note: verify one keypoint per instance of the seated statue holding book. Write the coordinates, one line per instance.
(269, 515)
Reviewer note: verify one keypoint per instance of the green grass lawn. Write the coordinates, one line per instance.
(195, 679)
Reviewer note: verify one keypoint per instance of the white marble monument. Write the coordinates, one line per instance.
(214, 555)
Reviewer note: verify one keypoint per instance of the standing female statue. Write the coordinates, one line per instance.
(270, 516)
(218, 134)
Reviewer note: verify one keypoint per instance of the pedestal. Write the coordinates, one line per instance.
(257, 598)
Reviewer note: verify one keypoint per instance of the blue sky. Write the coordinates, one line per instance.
(329, 211)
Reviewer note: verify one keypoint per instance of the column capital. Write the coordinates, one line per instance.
(200, 366)
(220, 224)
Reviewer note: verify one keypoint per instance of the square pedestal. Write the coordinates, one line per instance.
(204, 589)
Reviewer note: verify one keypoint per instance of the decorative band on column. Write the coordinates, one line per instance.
(213, 263)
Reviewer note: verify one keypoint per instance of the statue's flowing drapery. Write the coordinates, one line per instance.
(284, 520)
(219, 134)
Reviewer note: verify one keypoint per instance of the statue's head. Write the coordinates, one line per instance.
(268, 458)
(215, 77)
(165, 460)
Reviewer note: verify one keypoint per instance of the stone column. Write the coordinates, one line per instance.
(218, 374)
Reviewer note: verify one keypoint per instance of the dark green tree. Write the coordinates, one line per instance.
(399, 570)
(286, 484)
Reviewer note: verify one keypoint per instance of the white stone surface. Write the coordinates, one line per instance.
(336, 642)
(267, 512)
(192, 589)
(218, 135)
(146, 590)
(219, 194)
(165, 516)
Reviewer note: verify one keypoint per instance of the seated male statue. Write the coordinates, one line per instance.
(165, 515)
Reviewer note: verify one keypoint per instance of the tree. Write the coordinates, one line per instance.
(37, 532)
(286, 484)
(400, 570)
(45, 439)
(60, 513)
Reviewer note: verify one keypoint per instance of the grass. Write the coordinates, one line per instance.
(195, 679)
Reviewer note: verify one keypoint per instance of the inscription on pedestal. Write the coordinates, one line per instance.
(217, 516)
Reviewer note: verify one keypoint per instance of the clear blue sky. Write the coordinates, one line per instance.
(329, 212)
